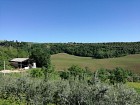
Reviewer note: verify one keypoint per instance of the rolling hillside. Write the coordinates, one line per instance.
(62, 61)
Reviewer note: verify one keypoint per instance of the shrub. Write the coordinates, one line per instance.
(65, 92)
(64, 74)
(36, 72)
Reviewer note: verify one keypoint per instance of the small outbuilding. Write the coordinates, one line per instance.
(20, 62)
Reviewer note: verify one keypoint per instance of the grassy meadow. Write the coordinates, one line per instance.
(134, 85)
(62, 61)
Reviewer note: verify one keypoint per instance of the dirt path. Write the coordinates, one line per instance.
(11, 71)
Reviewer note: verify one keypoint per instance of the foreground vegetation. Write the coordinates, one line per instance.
(75, 86)
(37, 91)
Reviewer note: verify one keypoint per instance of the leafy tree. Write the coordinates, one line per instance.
(76, 71)
(41, 56)
(103, 75)
(64, 74)
(118, 75)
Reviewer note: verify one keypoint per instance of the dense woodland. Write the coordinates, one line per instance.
(96, 50)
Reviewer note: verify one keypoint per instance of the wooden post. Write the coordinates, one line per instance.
(4, 66)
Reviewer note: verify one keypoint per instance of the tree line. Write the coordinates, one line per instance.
(95, 50)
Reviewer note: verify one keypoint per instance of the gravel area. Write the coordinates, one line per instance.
(11, 71)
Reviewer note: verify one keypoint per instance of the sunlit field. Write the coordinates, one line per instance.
(62, 61)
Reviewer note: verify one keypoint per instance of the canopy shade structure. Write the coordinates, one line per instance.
(20, 62)
(19, 59)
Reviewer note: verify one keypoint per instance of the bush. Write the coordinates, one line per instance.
(64, 74)
(65, 92)
(36, 72)
(118, 75)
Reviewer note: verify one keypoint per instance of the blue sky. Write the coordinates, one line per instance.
(70, 20)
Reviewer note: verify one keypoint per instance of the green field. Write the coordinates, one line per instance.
(134, 85)
(62, 61)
